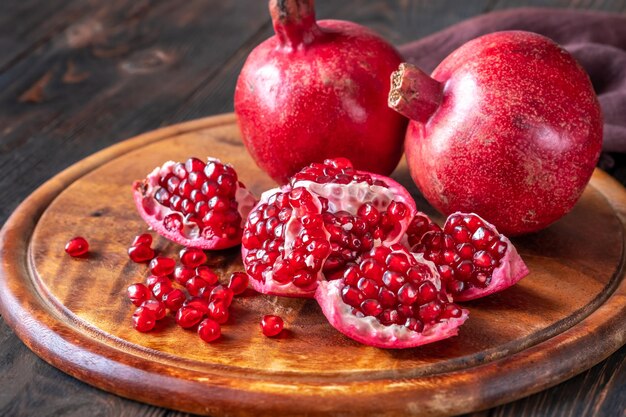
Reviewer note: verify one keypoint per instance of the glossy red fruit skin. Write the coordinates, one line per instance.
(271, 325)
(516, 137)
(209, 330)
(77, 246)
(317, 90)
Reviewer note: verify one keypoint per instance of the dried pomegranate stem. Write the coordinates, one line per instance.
(294, 22)
(414, 93)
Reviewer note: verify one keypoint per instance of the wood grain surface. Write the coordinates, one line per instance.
(77, 76)
(568, 314)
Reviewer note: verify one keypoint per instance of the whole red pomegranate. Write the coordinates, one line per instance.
(317, 90)
(508, 127)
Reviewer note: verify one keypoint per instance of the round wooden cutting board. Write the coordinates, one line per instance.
(566, 316)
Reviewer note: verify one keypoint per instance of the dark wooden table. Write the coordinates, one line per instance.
(79, 75)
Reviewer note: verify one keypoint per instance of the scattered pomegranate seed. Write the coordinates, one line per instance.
(143, 239)
(144, 319)
(192, 257)
(207, 274)
(77, 246)
(160, 289)
(182, 274)
(196, 285)
(187, 317)
(271, 325)
(218, 311)
(221, 294)
(174, 299)
(156, 306)
(162, 266)
(198, 303)
(209, 330)
(238, 282)
(141, 253)
(138, 293)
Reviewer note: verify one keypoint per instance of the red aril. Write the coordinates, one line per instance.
(238, 282)
(271, 325)
(161, 289)
(138, 293)
(77, 246)
(326, 217)
(162, 266)
(174, 299)
(196, 204)
(473, 259)
(221, 294)
(508, 127)
(196, 285)
(209, 330)
(390, 299)
(144, 319)
(144, 239)
(192, 257)
(207, 274)
(156, 306)
(141, 253)
(218, 311)
(187, 317)
(316, 90)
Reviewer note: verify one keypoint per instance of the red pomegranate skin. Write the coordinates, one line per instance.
(516, 137)
(318, 90)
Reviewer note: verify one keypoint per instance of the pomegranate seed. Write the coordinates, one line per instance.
(218, 311)
(152, 280)
(398, 262)
(414, 324)
(174, 299)
(194, 164)
(427, 292)
(393, 280)
(209, 330)
(195, 285)
(143, 239)
(368, 288)
(173, 222)
(187, 317)
(144, 319)
(483, 259)
(369, 214)
(138, 293)
(351, 296)
(207, 274)
(238, 282)
(271, 325)
(451, 311)
(160, 289)
(182, 274)
(397, 211)
(157, 306)
(430, 312)
(371, 307)
(198, 303)
(77, 246)
(162, 266)
(140, 253)
(192, 257)
(221, 294)
(407, 294)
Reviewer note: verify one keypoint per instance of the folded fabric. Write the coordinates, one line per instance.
(597, 40)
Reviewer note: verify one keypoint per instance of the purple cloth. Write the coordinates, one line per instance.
(597, 40)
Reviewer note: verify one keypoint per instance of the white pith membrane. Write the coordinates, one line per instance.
(144, 192)
(370, 331)
(341, 197)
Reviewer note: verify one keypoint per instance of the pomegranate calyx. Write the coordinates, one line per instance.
(294, 22)
(414, 93)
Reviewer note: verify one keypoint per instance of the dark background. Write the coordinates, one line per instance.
(79, 75)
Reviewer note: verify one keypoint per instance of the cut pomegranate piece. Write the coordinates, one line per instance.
(271, 325)
(391, 299)
(194, 204)
(77, 246)
(471, 256)
(326, 217)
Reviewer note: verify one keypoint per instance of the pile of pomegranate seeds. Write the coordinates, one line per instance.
(200, 300)
(77, 246)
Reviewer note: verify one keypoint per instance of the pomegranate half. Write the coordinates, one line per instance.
(317, 90)
(507, 127)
